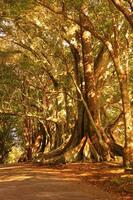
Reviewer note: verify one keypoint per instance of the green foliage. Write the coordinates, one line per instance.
(14, 154)
(13, 7)
(7, 136)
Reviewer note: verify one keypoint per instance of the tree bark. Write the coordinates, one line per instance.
(124, 10)
(90, 91)
(128, 124)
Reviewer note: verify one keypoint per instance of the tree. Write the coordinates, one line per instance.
(67, 53)
(8, 137)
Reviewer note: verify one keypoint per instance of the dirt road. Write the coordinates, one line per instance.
(26, 182)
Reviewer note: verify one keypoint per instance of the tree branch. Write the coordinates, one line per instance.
(125, 11)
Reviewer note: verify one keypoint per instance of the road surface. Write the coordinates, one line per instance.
(27, 182)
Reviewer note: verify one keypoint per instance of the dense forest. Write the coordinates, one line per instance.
(66, 81)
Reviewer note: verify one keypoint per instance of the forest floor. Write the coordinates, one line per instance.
(65, 182)
(110, 177)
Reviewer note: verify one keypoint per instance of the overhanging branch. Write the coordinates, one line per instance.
(20, 114)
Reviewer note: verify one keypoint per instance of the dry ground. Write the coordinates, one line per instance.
(67, 182)
(109, 177)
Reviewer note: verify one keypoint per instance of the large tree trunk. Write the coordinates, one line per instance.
(28, 138)
(91, 95)
(71, 155)
(61, 149)
(128, 125)
(78, 78)
(123, 82)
